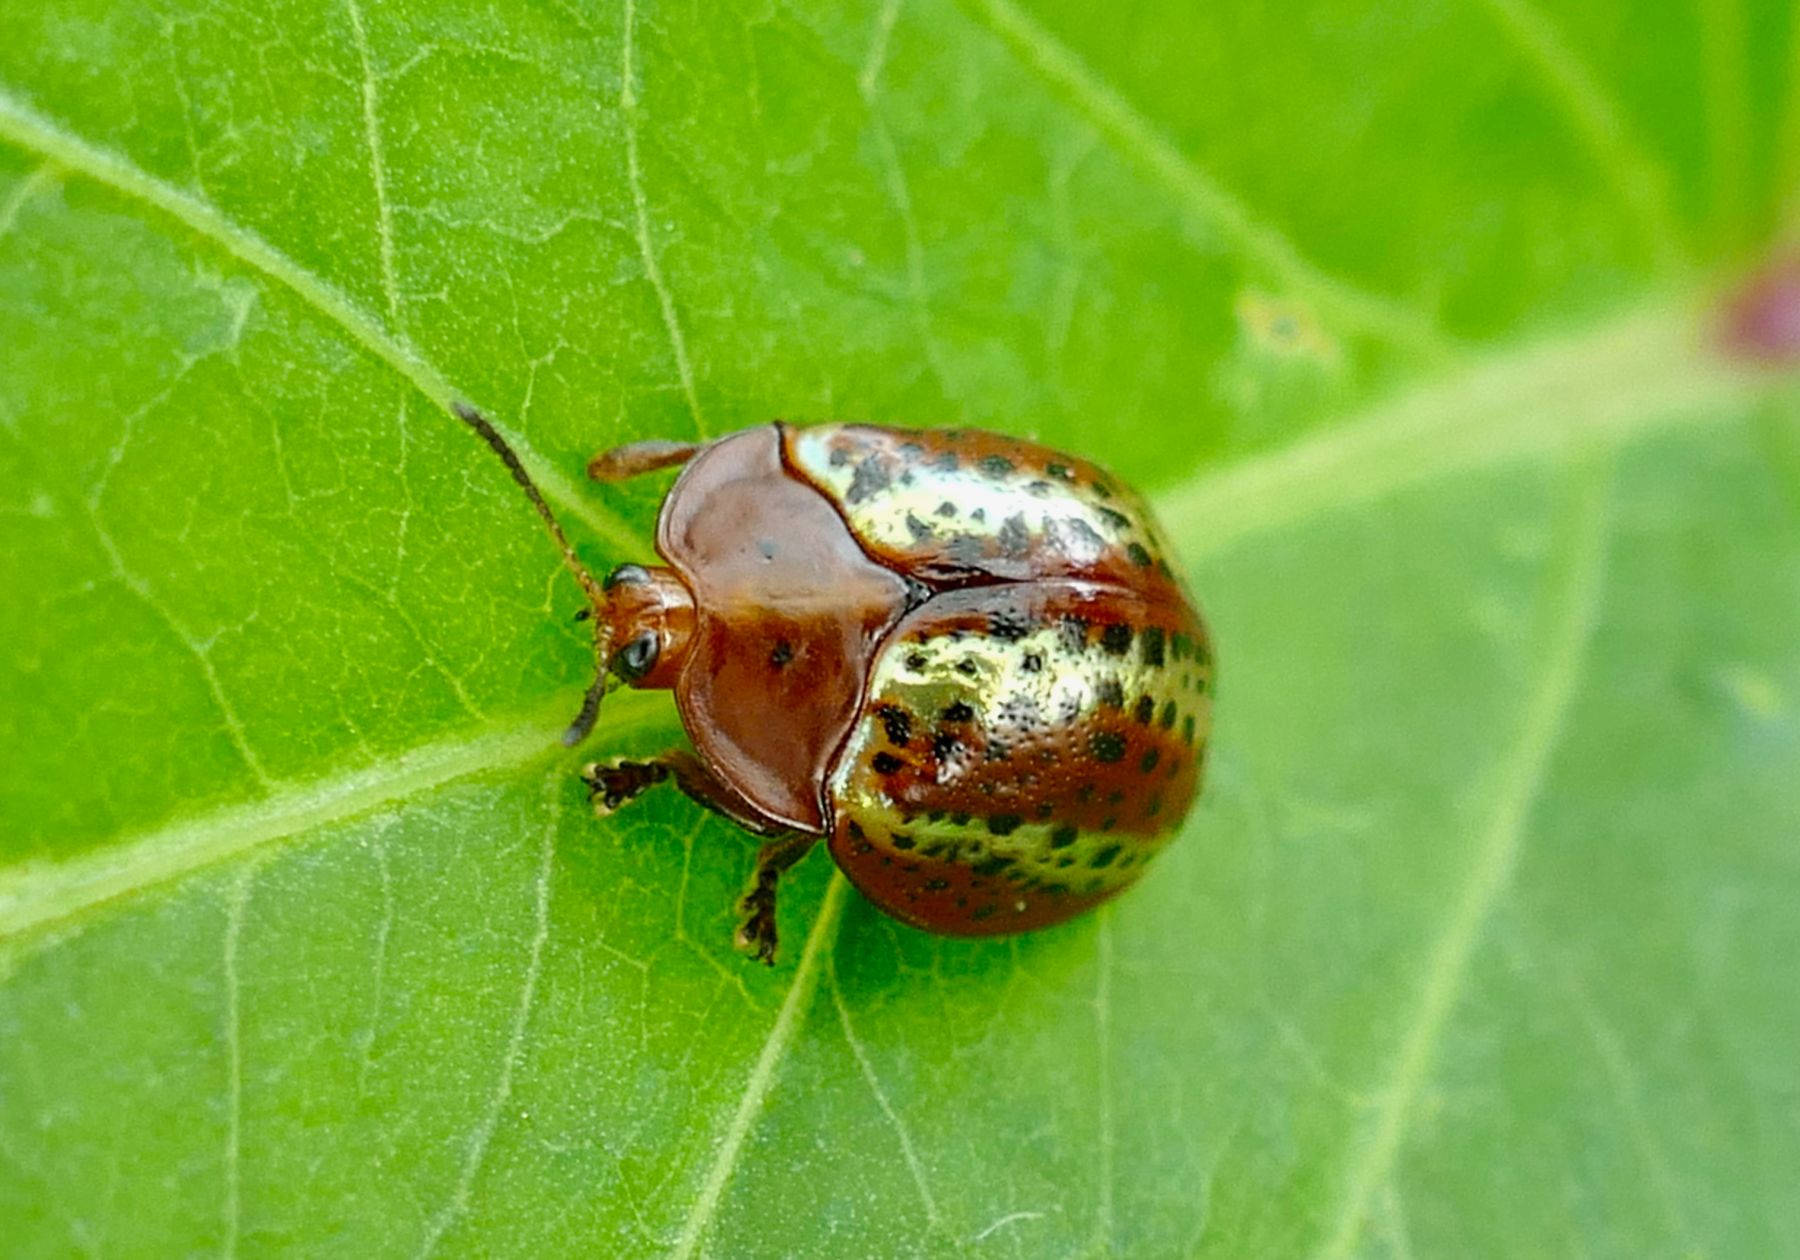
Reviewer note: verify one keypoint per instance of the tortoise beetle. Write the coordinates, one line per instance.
(960, 658)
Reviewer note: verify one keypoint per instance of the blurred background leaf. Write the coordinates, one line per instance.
(1483, 939)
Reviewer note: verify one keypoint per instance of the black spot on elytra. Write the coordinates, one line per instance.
(1004, 824)
(855, 830)
(871, 477)
(1152, 643)
(1033, 662)
(1139, 556)
(959, 712)
(979, 514)
(1101, 488)
(946, 509)
(916, 661)
(1179, 647)
(1154, 807)
(898, 723)
(1063, 836)
(1107, 746)
(1115, 518)
(1145, 710)
(967, 667)
(991, 865)
(1038, 486)
(1187, 730)
(901, 840)
(1085, 532)
(1014, 538)
(1109, 693)
(918, 528)
(1149, 760)
(947, 461)
(937, 885)
(1105, 856)
(885, 763)
(984, 912)
(1061, 472)
(944, 745)
(997, 750)
(968, 550)
(960, 820)
(1116, 638)
(1044, 810)
(1085, 793)
(1073, 633)
(1166, 719)
(840, 455)
(995, 465)
(781, 653)
(1019, 712)
(912, 450)
(1109, 824)
(1009, 624)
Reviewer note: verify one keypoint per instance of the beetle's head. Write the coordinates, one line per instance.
(643, 618)
(647, 621)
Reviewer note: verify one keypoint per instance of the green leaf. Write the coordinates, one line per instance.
(1481, 941)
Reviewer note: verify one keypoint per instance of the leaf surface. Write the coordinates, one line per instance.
(1481, 939)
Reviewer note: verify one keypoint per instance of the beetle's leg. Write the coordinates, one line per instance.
(612, 783)
(756, 929)
(633, 458)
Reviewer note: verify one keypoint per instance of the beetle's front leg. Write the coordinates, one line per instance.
(636, 458)
(756, 929)
(613, 783)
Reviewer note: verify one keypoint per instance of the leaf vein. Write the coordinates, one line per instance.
(476, 1152)
(28, 130)
(634, 177)
(907, 1150)
(762, 1075)
(234, 1057)
(1639, 182)
(1577, 600)
(384, 222)
(37, 895)
(1204, 198)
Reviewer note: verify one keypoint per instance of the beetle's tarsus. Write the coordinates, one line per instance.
(612, 784)
(756, 935)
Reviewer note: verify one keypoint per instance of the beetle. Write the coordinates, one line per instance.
(962, 659)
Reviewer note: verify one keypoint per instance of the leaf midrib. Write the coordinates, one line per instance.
(39, 895)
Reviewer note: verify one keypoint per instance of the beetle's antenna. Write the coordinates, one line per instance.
(590, 703)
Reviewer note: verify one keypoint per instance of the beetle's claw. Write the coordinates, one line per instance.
(756, 934)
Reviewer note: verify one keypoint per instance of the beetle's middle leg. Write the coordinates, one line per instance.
(756, 928)
(634, 458)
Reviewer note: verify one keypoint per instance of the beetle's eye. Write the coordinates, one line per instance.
(636, 658)
(626, 575)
